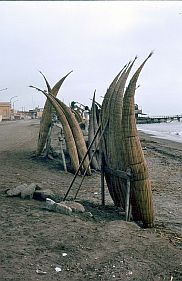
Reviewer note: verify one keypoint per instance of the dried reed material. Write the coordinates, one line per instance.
(77, 172)
(141, 171)
(135, 152)
(93, 127)
(70, 142)
(77, 134)
(133, 156)
(115, 121)
(98, 104)
(142, 208)
(105, 110)
(113, 139)
(77, 116)
(104, 116)
(47, 115)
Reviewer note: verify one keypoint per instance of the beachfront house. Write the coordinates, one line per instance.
(5, 111)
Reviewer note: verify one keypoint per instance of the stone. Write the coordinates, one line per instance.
(50, 157)
(75, 206)
(16, 191)
(89, 215)
(50, 204)
(43, 194)
(38, 186)
(63, 209)
(56, 153)
(28, 191)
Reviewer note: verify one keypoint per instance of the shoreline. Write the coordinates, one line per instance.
(169, 138)
(168, 147)
(169, 131)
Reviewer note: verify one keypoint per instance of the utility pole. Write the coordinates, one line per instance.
(12, 98)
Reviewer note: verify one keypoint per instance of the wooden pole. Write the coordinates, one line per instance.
(127, 206)
(99, 140)
(102, 181)
(62, 152)
(76, 174)
(48, 142)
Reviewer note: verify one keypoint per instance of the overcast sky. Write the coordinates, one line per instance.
(95, 40)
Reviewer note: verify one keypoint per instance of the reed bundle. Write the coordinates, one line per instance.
(142, 205)
(47, 115)
(69, 139)
(77, 115)
(73, 134)
(104, 117)
(93, 127)
(77, 134)
(122, 149)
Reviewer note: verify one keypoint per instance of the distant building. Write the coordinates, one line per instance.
(36, 113)
(138, 111)
(5, 110)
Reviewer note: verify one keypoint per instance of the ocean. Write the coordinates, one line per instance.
(170, 131)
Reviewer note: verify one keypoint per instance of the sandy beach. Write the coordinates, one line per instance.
(99, 244)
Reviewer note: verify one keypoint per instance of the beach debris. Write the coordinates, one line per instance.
(62, 208)
(27, 193)
(49, 156)
(57, 207)
(50, 201)
(16, 191)
(24, 190)
(64, 254)
(39, 271)
(43, 194)
(58, 269)
(75, 206)
(89, 215)
(50, 204)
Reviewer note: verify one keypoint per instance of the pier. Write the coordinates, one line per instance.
(158, 119)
